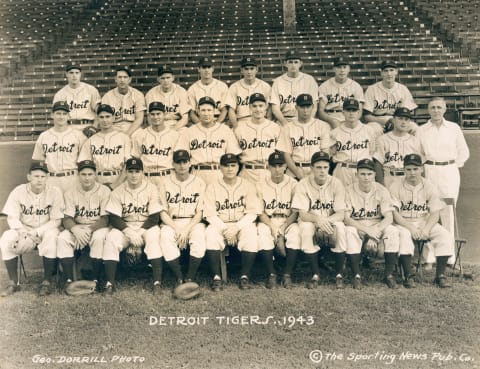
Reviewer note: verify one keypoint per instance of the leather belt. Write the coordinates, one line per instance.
(429, 162)
(205, 166)
(396, 173)
(165, 172)
(81, 121)
(302, 165)
(63, 174)
(333, 111)
(255, 166)
(348, 165)
(175, 217)
(278, 216)
(109, 173)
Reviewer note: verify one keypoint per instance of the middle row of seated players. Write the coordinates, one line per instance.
(256, 219)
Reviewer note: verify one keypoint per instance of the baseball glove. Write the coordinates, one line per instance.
(89, 131)
(371, 247)
(187, 291)
(388, 126)
(24, 244)
(79, 288)
(133, 255)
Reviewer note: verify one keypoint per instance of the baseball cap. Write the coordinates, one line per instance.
(165, 68)
(402, 112)
(229, 158)
(72, 66)
(340, 60)
(304, 100)
(351, 104)
(319, 156)
(248, 60)
(123, 69)
(276, 158)
(134, 163)
(207, 100)
(412, 159)
(61, 105)
(86, 164)
(106, 108)
(292, 54)
(181, 155)
(205, 61)
(39, 165)
(366, 164)
(256, 97)
(387, 64)
(156, 105)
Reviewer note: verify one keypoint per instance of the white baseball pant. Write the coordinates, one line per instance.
(116, 241)
(308, 231)
(247, 239)
(441, 240)
(266, 240)
(63, 183)
(209, 176)
(47, 247)
(66, 243)
(390, 239)
(196, 240)
(254, 175)
(345, 175)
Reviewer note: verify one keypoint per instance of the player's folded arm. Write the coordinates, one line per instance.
(101, 222)
(152, 221)
(117, 222)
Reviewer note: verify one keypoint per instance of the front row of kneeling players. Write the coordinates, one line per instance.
(364, 214)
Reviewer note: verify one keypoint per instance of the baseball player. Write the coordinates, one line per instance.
(391, 147)
(82, 98)
(154, 144)
(134, 214)
(288, 86)
(85, 220)
(207, 141)
(352, 141)
(369, 217)
(382, 98)
(182, 195)
(258, 138)
(240, 91)
(277, 225)
(59, 147)
(231, 208)
(109, 149)
(303, 137)
(417, 206)
(208, 86)
(127, 102)
(320, 200)
(172, 96)
(34, 211)
(334, 91)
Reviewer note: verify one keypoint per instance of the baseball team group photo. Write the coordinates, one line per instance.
(306, 218)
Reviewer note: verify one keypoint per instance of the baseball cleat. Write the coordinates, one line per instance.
(339, 282)
(109, 289)
(390, 281)
(244, 283)
(157, 289)
(441, 282)
(357, 283)
(314, 282)
(216, 285)
(11, 288)
(271, 281)
(287, 281)
(45, 289)
(409, 282)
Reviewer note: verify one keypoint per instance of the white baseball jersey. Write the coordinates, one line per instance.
(125, 106)
(285, 91)
(334, 93)
(239, 93)
(391, 149)
(231, 203)
(134, 205)
(383, 101)
(175, 101)
(82, 100)
(207, 145)
(59, 150)
(109, 151)
(217, 90)
(301, 140)
(368, 207)
(86, 207)
(323, 200)
(154, 148)
(353, 144)
(182, 199)
(277, 197)
(257, 141)
(33, 210)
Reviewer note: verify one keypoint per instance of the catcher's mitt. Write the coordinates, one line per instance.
(187, 291)
(134, 255)
(24, 244)
(89, 131)
(79, 288)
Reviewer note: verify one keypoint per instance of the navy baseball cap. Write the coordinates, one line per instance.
(165, 68)
(366, 164)
(86, 164)
(229, 158)
(351, 104)
(106, 108)
(276, 158)
(205, 61)
(304, 100)
(292, 54)
(257, 97)
(39, 165)
(134, 163)
(61, 105)
(412, 159)
(156, 105)
(207, 100)
(402, 112)
(248, 60)
(72, 66)
(388, 64)
(319, 156)
(181, 155)
(123, 69)
(340, 60)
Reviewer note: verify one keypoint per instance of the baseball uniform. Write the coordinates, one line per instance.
(82, 102)
(126, 106)
(217, 90)
(175, 101)
(333, 94)
(239, 94)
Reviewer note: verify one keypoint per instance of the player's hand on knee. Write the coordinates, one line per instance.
(230, 233)
(324, 225)
(182, 240)
(375, 233)
(134, 238)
